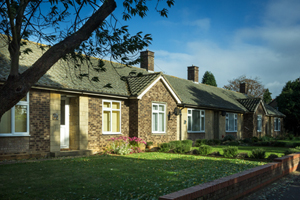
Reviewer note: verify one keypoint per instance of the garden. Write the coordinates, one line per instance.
(126, 171)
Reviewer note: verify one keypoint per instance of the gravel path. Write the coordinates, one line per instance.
(286, 188)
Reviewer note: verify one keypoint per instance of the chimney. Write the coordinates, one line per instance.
(193, 73)
(147, 60)
(243, 88)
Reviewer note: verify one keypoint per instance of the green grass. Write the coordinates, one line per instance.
(136, 176)
(279, 151)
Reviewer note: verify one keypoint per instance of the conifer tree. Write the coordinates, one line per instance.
(209, 79)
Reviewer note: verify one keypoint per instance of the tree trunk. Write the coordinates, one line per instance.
(17, 86)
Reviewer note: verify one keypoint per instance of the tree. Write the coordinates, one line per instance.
(267, 96)
(289, 104)
(48, 21)
(254, 87)
(209, 79)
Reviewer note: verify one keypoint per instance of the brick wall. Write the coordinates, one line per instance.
(158, 93)
(240, 184)
(97, 140)
(39, 121)
(248, 125)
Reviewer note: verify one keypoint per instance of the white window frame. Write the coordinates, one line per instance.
(157, 111)
(259, 118)
(12, 110)
(111, 110)
(277, 125)
(235, 122)
(202, 129)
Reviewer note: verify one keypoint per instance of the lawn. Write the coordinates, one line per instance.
(136, 176)
(279, 151)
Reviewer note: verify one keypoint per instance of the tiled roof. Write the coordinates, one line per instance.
(63, 75)
(250, 103)
(137, 84)
(273, 112)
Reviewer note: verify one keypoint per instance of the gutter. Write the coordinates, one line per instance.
(210, 108)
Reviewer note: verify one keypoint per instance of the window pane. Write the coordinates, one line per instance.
(235, 124)
(189, 123)
(106, 121)
(161, 122)
(116, 105)
(154, 122)
(155, 107)
(20, 118)
(161, 108)
(202, 113)
(62, 112)
(116, 121)
(5, 123)
(279, 126)
(196, 120)
(106, 104)
(231, 122)
(189, 112)
(227, 125)
(202, 124)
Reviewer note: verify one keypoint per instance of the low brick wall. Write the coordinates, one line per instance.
(240, 184)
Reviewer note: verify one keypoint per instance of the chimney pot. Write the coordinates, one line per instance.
(193, 73)
(147, 60)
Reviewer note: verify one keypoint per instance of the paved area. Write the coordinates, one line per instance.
(286, 188)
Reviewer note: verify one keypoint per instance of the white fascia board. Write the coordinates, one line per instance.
(167, 86)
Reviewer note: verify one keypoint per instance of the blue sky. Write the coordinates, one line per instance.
(229, 38)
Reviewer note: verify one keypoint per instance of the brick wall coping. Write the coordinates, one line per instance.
(221, 183)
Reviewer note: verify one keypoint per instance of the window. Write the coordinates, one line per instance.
(15, 122)
(231, 122)
(158, 118)
(277, 126)
(111, 117)
(259, 123)
(196, 120)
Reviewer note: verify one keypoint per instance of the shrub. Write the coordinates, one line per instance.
(200, 142)
(230, 152)
(174, 144)
(205, 149)
(149, 144)
(123, 145)
(210, 142)
(183, 148)
(258, 153)
(165, 147)
(292, 150)
(229, 137)
(272, 156)
(295, 144)
(279, 144)
(233, 143)
(217, 141)
(254, 139)
(290, 136)
(187, 142)
(247, 140)
(266, 138)
(265, 143)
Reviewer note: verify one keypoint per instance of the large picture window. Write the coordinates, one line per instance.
(15, 122)
(196, 120)
(259, 123)
(158, 118)
(231, 122)
(111, 117)
(277, 126)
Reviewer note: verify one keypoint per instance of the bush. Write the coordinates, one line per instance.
(265, 143)
(183, 148)
(292, 150)
(210, 142)
(247, 140)
(290, 136)
(174, 144)
(233, 143)
(165, 147)
(254, 139)
(266, 138)
(149, 144)
(200, 142)
(272, 156)
(205, 149)
(187, 142)
(229, 137)
(230, 152)
(217, 141)
(279, 144)
(295, 144)
(258, 153)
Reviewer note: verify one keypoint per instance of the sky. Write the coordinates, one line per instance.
(228, 38)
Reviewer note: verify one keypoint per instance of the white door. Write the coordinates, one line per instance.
(64, 123)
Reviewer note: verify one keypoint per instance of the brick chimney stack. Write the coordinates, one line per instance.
(193, 73)
(243, 88)
(147, 60)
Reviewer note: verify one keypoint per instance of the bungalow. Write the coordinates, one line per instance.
(65, 111)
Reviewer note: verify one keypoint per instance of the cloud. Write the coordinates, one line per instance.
(270, 51)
